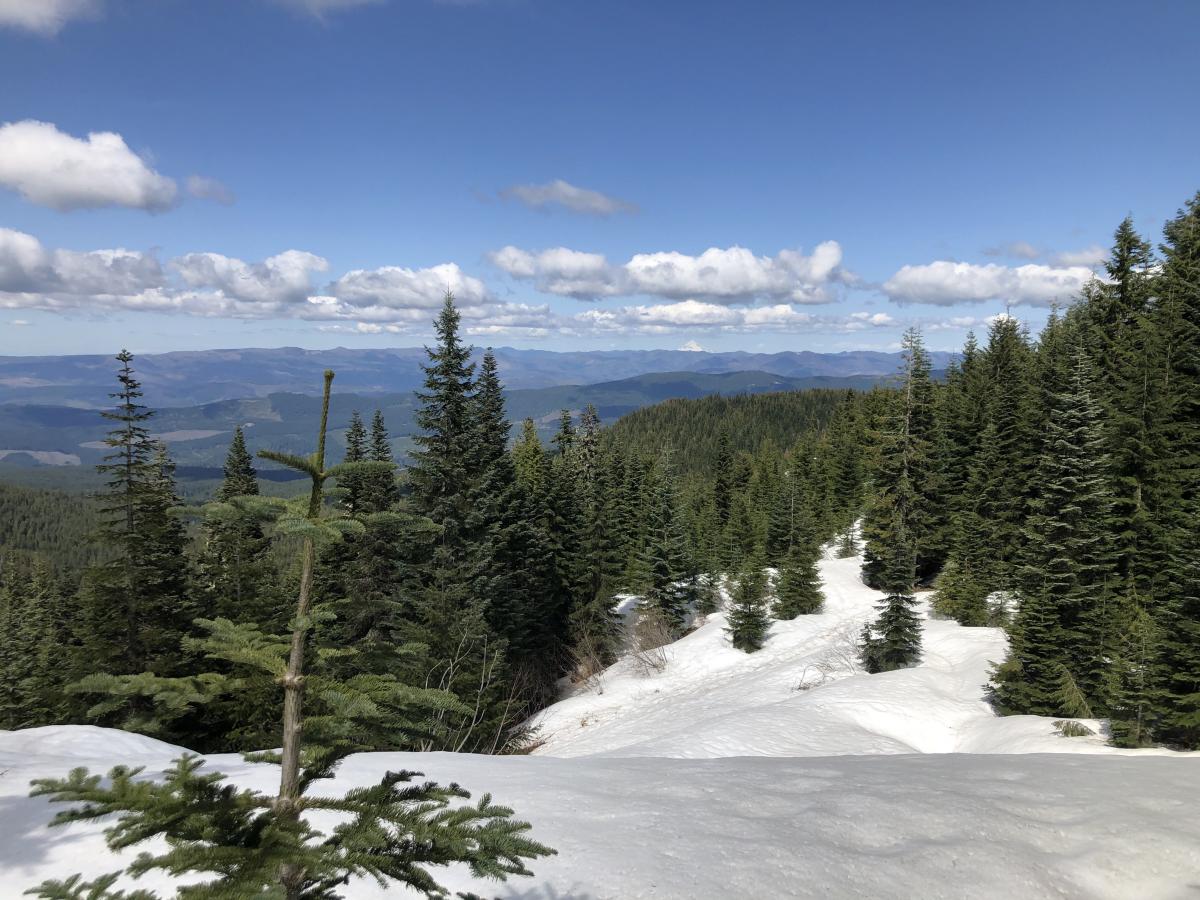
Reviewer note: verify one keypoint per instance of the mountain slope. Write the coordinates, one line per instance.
(195, 377)
(199, 435)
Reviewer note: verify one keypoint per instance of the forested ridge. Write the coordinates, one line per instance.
(1048, 486)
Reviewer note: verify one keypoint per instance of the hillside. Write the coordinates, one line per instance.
(197, 377)
(733, 783)
(35, 436)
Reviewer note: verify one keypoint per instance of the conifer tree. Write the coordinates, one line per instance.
(904, 495)
(1172, 490)
(356, 451)
(135, 604)
(245, 843)
(380, 489)
(1063, 629)
(440, 471)
(893, 640)
(235, 572)
(665, 557)
(748, 619)
(798, 591)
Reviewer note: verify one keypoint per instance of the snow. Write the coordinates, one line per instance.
(718, 778)
(714, 701)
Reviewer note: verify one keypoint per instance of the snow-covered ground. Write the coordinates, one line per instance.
(803, 694)
(719, 777)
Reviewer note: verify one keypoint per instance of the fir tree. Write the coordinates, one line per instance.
(893, 641)
(798, 591)
(246, 843)
(1172, 491)
(748, 620)
(665, 556)
(352, 488)
(1063, 627)
(235, 572)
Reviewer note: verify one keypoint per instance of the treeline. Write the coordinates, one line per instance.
(694, 429)
(456, 593)
(1053, 487)
(52, 524)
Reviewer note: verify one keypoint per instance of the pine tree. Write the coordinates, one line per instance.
(235, 573)
(798, 591)
(893, 641)
(748, 620)
(665, 556)
(903, 481)
(247, 843)
(352, 488)
(440, 471)
(136, 606)
(1063, 627)
(380, 488)
(1172, 490)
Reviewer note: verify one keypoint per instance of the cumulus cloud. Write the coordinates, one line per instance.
(946, 283)
(203, 188)
(729, 276)
(51, 168)
(563, 194)
(212, 284)
(45, 17)
(694, 316)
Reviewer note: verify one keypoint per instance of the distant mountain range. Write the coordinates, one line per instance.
(188, 378)
(39, 435)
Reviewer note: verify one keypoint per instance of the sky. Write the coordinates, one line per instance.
(193, 174)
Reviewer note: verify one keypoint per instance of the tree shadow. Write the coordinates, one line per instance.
(546, 891)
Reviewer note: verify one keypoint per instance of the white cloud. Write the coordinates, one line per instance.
(46, 17)
(282, 279)
(204, 188)
(55, 169)
(568, 196)
(946, 283)
(281, 286)
(731, 276)
(318, 8)
(19, 323)
(1090, 257)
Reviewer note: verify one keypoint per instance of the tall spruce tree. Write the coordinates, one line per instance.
(1063, 633)
(136, 605)
(1173, 485)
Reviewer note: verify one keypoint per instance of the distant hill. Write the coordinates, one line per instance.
(37, 437)
(188, 378)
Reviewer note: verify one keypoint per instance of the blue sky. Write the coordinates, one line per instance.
(745, 175)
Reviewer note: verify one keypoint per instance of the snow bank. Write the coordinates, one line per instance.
(961, 825)
(783, 773)
(804, 694)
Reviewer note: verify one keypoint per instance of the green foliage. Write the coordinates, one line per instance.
(748, 620)
(239, 842)
(798, 589)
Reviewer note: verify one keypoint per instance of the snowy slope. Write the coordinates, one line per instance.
(714, 701)
(896, 785)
